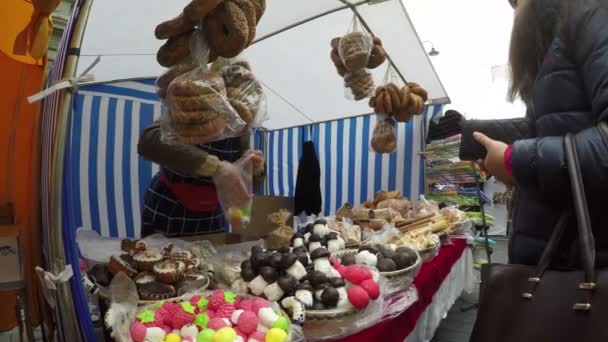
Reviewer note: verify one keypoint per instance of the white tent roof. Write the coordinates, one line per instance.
(302, 84)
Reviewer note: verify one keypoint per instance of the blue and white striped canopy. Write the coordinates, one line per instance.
(107, 178)
(350, 171)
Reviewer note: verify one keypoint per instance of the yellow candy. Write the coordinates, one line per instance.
(225, 334)
(276, 335)
(173, 338)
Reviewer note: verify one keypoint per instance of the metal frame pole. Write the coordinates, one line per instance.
(69, 322)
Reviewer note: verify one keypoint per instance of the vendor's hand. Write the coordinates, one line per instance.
(231, 180)
(494, 162)
(257, 161)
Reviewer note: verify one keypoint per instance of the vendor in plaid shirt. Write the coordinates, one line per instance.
(182, 199)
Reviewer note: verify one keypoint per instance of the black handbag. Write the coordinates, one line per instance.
(525, 304)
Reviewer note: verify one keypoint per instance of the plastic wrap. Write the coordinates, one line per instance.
(197, 109)
(235, 190)
(355, 47)
(402, 206)
(245, 93)
(329, 326)
(425, 207)
(358, 85)
(384, 137)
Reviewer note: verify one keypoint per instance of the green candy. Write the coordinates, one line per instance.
(202, 304)
(187, 307)
(282, 323)
(146, 316)
(205, 335)
(201, 321)
(230, 297)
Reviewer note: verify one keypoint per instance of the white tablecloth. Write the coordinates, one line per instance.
(461, 279)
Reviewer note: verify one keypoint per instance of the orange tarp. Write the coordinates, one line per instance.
(24, 31)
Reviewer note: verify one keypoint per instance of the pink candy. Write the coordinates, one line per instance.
(138, 332)
(216, 324)
(259, 336)
(260, 304)
(248, 322)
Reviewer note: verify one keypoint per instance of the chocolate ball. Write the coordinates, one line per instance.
(386, 253)
(275, 260)
(284, 250)
(246, 264)
(320, 221)
(330, 297)
(336, 282)
(303, 258)
(332, 236)
(317, 279)
(349, 259)
(256, 250)
(248, 274)
(315, 238)
(259, 260)
(320, 253)
(300, 249)
(288, 260)
(269, 274)
(386, 265)
(288, 284)
(403, 260)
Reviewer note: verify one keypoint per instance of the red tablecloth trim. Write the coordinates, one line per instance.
(427, 282)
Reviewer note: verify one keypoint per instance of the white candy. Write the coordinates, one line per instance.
(321, 230)
(189, 330)
(333, 273)
(333, 246)
(322, 265)
(273, 292)
(313, 246)
(392, 247)
(267, 317)
(235, 316)
(297, 270)
(238, 339)
(342, 243)
(306, 237)
(298, 242)
(366, 258)
(257, 285)
(305, 297)
(262, 328)
(155, 334)
(251, 339)
(318, 294)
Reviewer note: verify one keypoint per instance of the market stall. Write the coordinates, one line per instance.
(96, 180)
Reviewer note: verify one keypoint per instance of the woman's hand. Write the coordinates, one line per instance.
(495, 159)
(257, 161)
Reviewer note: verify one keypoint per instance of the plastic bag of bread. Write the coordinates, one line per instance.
(245, 93)
(280, 237)
(355, 47)
(359, 85)
(384, 137)
(234, 186)
(402, 206)
(197, 109)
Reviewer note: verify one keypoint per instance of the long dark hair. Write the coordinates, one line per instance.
(535, 27)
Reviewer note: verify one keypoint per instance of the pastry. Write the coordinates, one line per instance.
(176, 49)
(355, 49)
(250, 12)
(195, 132)
(200, 103)
(377, 57)
(244, 112)
(260, 8)
(156, 291)
(120, 263)
(418, 90)
(163, 81)
(169, 271)
(146, 260)
(227, 30)
(132, 246)
(144, 278)
(207, 83)
(361, 84)
(383, 138)
(199, 9)
(173, 27)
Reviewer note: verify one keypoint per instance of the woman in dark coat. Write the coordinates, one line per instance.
(559, 65)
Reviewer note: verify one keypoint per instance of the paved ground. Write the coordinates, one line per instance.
(458, 325)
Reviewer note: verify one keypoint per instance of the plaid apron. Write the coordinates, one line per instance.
(177, 205)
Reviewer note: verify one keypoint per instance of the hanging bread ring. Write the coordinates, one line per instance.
(227, 30)
(377, 57)
(418, 90)
(250, 13)
(260, 8)
(199, 9)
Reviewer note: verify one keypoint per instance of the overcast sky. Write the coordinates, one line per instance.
(472, 36)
